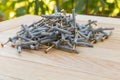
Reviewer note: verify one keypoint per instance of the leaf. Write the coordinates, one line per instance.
(79, 5)
(20, 11)
(103, 2)
(96, 10)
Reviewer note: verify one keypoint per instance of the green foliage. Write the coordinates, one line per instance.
(14, 8)
(93, 7)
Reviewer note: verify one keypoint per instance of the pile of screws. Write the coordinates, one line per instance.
(58, 30)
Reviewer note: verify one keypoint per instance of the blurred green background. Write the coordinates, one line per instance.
(14, 8)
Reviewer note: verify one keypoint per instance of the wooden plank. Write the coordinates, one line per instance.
(7, 77)
(98, 18)
(99, 63)
(25, 70)
(10, 24)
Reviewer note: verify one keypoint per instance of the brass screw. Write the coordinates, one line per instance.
(48, 49)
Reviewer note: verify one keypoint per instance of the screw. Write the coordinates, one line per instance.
(2, 44)
(74, 47)
(76, 38)
(47, 40)
(62, 30)
(82, 34)
(56, 43)
(51, 16)
(91, 22)
(19, 48)
(89, 34)
(69, 44)
(99, 37)
(101, 29)
(84, 44)
(62, 36)
(68, 49)
(55, 10)
(49, 48)
(29, 43)
(63, 11)
(106, 35)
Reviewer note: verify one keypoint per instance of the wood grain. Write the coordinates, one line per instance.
(99, 63)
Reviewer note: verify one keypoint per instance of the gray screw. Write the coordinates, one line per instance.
(68, 49)
(62, 30)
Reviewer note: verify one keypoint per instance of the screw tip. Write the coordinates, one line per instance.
(2, 45)
(13, 45)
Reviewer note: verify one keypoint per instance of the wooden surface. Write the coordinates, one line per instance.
(99, 63)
